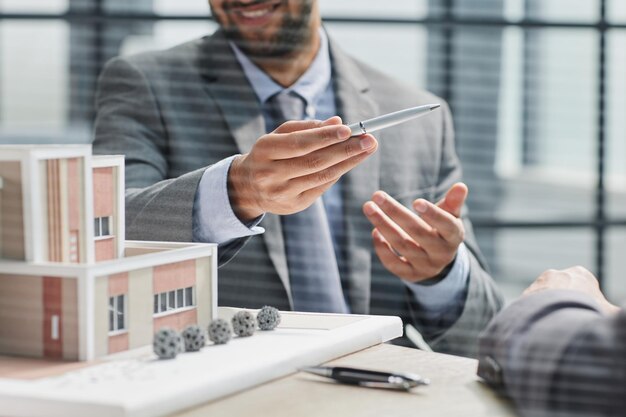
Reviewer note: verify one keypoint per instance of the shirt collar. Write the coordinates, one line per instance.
(310, 86)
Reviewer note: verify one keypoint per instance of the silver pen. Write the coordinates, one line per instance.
(391, 119)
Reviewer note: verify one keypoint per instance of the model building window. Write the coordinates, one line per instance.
(180, 297)
(102, 226)
(117, 316)
(171, 301)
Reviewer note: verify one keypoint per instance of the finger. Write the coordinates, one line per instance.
(335, 120)
(276, 146)
(454, 199)
(397, 265)
(408, 221)
(397, 238)
(296, 125)
(448, 226)
(333, 173)
(324, 158)
(313, 193)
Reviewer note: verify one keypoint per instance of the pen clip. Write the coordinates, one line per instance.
(396, 382)
(386, 385)
(363, 129)
(399, 381)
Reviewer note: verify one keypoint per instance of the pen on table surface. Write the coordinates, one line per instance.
(367, 378)
(390, 119)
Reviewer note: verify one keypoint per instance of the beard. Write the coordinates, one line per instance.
(293, 34)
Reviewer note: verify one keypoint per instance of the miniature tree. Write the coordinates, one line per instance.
(244, 324)
(194, 338)
(220, 331)
(268, 318)
(167, 343)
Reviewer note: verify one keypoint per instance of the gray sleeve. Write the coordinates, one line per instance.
(482, 299)
(129, 122)
(556, 353)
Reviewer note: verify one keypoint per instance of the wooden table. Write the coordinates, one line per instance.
(455, 391)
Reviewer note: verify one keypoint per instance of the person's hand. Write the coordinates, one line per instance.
(417, 247)
(288, 169)
(574, 279)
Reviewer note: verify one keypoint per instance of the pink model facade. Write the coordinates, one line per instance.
(71, 288)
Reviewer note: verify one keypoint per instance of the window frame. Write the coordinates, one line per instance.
(165, 297)
(99, 222)
(115, 302)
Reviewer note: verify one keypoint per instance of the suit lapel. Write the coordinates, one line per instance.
(354, 103)
(231, 90)
(229, 87)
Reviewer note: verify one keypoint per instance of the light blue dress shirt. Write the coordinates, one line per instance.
(215, 221)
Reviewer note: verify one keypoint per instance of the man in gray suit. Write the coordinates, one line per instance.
(208, 158)
(560, 350)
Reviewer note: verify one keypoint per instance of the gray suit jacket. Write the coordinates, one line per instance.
(556, 354)
(175, 112)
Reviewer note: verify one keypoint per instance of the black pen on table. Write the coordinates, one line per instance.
(367, 378)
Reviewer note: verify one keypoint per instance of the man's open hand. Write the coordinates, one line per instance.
(288, 169)
(417, 247)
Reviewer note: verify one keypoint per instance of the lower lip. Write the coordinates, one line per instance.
(255, 21)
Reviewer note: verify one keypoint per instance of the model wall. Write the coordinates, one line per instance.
(205, 291)
(139, 288)
(28, 305)
(63, 195)
(11, 212)
(105, 196)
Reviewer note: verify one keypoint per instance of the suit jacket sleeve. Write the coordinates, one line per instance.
(556, 353)
(129, 122)
(482, 298)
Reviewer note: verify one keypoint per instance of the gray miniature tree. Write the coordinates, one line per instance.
(194, 338)
(244, 324)
(268, 318)
(220, 331)
(167, 343)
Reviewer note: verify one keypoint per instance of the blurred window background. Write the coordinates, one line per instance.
(537, 89)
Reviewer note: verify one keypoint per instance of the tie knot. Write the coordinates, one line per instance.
(284, 106)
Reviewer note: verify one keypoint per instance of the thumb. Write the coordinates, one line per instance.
(454, 199)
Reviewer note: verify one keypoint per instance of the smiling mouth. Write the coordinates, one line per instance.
(256, 12)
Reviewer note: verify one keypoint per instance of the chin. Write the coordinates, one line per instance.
(287, 41)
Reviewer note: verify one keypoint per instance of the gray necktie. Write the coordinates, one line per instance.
(313, 271)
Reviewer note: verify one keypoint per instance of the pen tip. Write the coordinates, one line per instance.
(434, 106)
(317, 370)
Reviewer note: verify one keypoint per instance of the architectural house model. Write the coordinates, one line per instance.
(71, 287)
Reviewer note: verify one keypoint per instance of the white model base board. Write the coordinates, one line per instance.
(136, 384)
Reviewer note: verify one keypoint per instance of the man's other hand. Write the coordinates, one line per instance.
(288, 169)
(575, 279)
(417, 246)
